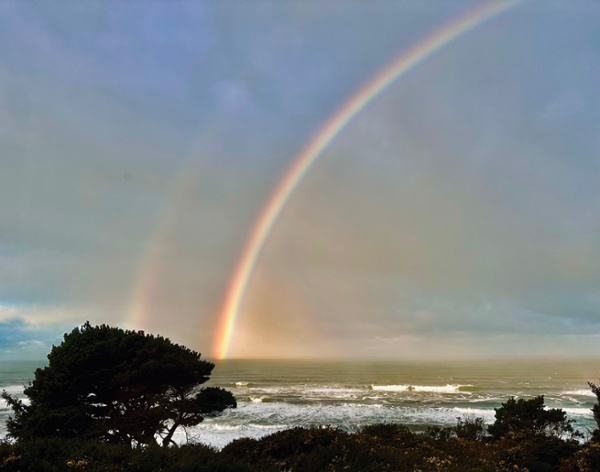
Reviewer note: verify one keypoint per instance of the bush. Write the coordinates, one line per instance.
(525, 417)
(285, 449)
(538, 452)
(60, 454)
(587, 459)
(470, 428)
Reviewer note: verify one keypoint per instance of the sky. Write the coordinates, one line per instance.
(457, 215)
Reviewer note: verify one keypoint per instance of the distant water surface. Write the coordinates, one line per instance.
(275, 395)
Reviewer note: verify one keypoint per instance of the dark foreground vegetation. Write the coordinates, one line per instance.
(110, 401)
(116, 386)
(525, 437)
(385, 447)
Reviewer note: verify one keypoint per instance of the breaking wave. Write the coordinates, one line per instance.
(580, 393)
(423, 388)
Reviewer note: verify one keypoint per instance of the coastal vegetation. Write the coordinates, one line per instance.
(110, 400)
(467, 446)
(116, 386)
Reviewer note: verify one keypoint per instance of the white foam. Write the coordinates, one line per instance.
(487, 415)
(272, 390)
(241, 384)
(333, 390)
(420, 388)
(487, 399)
(257, 399)
(580, 393)
(227, 427)
(308, 390)
(578, 411)
(277, 427)
(13, 389)
(254, 420)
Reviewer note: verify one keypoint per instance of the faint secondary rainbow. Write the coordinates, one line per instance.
(147, 283)
(304, 160)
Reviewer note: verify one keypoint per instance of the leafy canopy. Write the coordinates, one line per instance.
(119, 386)
(516, 418)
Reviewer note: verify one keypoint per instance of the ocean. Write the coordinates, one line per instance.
(275, 395)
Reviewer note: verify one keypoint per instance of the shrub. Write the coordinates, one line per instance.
(525, 417)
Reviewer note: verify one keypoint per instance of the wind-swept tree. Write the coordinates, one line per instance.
(119, 386)
(528, 417)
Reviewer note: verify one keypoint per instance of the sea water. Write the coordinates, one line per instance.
(14, 377)
(275, 395)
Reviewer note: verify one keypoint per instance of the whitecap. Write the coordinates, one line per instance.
(421, 388)
(578, 411)
(257, 399)
(227, 427)
(580, 393)
(268, 426)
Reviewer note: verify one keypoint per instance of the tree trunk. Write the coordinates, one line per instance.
(169, 437)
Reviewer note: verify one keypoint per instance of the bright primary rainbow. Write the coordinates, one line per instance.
(303, 161)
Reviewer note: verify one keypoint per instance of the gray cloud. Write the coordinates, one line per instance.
(138, 145)
(454, 207)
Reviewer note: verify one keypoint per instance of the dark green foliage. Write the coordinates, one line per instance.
(525, 417)
(470, 428)
(389, 432)
(377, 448)
(124, 387)
(391, 447)
(61, 454)
(596, 411)
(587, 459)
(439, 434)
(538, 452)
(467, 427)
(285, 449)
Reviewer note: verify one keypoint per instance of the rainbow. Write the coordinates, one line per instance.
(304, 160)
(148, 282)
